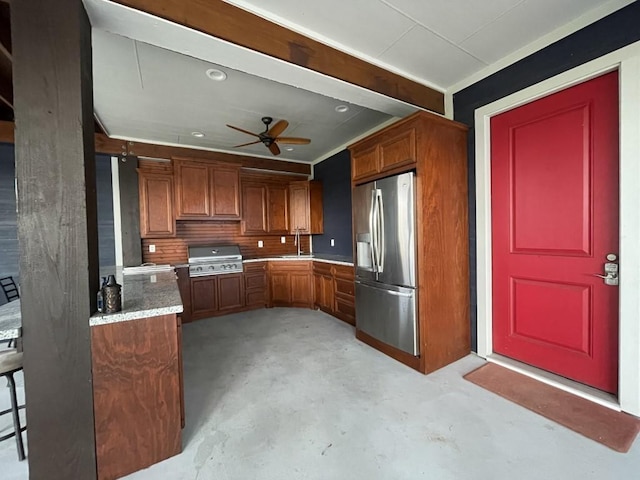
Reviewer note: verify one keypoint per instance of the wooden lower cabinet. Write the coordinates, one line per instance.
(230, 291)
(204, 301)
(334, 290)
(255, 284)
(345, 292)
(290, 284)
(137, 394)
(215, 295)
(286, 283)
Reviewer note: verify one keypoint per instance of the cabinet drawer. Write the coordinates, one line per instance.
(345, 286)
(255, 280)
(321, 268)
(344, 271)
(256, 297)
(345, 309)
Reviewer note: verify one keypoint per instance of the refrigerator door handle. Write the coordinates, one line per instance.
(372, 229)
(386, 290)
(380, 246)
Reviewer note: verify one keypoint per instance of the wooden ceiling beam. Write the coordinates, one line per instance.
(232, 24)
(112, 146)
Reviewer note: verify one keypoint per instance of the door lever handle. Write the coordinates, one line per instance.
(609, 275)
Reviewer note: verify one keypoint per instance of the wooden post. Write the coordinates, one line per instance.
(57, 231)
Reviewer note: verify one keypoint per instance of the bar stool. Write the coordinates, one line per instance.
(10, 363)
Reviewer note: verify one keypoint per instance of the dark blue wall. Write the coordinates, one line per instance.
(335, 175)
(8, 218)
(615, 31)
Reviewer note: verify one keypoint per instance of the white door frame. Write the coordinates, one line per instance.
(627, 61)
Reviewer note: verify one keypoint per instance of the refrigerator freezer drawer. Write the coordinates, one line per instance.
(388, 314)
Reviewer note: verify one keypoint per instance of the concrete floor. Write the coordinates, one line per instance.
(291, 394)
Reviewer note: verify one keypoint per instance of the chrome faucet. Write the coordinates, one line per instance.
(297, 241)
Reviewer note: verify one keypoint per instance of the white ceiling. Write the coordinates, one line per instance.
(143, 91)
(150, 85)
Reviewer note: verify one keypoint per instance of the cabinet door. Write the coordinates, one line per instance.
(280, 282)
(193, 192)
(156, 205)
(254, 209)
(299, 201)
(230, 291)
(301, 291)
(364, 163)
(203, 296)
(278, 215)
(225, 196)
(398, 150)
(327, 297)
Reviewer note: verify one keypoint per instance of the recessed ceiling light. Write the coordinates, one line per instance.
(215, 74)
(289, 149)
(197, 134)
(342, 108)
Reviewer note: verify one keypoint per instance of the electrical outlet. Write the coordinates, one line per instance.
(152, 248)
(283, 240)
(260, 244)
(333, 242)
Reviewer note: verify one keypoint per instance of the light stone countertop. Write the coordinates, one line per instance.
(144, 295)
(316, 257)
(10, 320)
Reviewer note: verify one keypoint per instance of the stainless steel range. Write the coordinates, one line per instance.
(214, 260)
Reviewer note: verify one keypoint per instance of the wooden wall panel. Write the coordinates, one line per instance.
(174, 250)
(136, 383)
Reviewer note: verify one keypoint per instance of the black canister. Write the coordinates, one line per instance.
(112, 295)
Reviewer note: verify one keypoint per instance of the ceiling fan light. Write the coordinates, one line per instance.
(216, 74)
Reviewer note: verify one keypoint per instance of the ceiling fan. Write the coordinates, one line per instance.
(270, 137)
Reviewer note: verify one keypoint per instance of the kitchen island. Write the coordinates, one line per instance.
(137, 376)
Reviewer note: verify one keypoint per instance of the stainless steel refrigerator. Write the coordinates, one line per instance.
(384, 227)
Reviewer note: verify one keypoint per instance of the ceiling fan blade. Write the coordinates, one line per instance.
(293, 140)
(273, 148)
(278, 128)
(245, 144)
(243, 131)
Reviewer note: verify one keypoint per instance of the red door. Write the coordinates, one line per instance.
(554, 176)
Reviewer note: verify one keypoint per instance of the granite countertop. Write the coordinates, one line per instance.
(10, 320)
(143, 295)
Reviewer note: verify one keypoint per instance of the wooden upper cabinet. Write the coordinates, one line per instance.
(305, 201)
(206, 191)
(193, 190)
(365, 163)
(254, 208)
(398, 150)
(278, 211)
(393, 151)
(156, 205)
(225, 193)
(265, 207)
